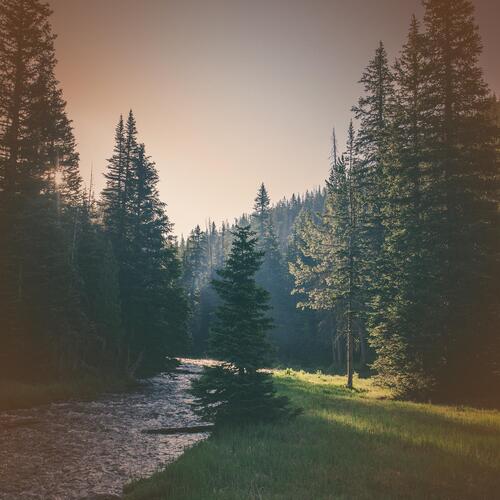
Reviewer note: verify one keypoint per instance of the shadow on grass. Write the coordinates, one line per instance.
(422, 429)
(345, 446)
(453, 418)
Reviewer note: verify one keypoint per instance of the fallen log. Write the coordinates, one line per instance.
(195, 429)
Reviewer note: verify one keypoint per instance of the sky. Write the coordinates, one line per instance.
(228, 93)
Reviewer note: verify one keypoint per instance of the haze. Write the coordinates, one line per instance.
(227, 93)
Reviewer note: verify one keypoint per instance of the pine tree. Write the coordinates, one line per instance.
(272, 275)
(158, 308)
(462, 201)
(371, 147)
(440, 215)
(42, 323)
(154, 309)
(327, 269)
(401, 332)
(236, 390)
(261, 214)
(195, 278)
(119, 206)
(112, 194)
(195, 266)
(98, 271)
(297, 335)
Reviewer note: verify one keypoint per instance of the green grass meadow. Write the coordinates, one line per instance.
(356, 444)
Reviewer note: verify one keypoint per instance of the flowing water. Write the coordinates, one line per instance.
(79, 449)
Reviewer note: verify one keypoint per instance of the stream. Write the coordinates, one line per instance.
(82, 449)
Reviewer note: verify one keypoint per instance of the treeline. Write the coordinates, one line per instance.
(85, 285)
(410, 226)
(391, 268)
(300, 337)
(401, 265)
(406, 252)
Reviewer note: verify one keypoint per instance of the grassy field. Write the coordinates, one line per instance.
(14, 395)
(347, 445)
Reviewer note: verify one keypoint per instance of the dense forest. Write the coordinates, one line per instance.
(390, 269)
(86, 285)
(299, 336)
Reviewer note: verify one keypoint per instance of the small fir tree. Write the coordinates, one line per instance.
(237, 390)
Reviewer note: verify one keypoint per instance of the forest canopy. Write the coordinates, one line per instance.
(390, 269)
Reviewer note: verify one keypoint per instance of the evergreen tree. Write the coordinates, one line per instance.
(462, 201)
(299, 338)
(236, 390)
(154, 309)
(195, 265)
(98, 271)
(402, 330)
(441, 215)
(112, 194)
(272, 275)
(41, 319)
(261, 214)
(371, 148)
(327, 268)
(195, 278)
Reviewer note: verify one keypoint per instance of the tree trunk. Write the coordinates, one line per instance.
(350, 348)
(333, 330)
(362, 347)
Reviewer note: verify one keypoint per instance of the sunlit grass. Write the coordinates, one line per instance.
(347, 444)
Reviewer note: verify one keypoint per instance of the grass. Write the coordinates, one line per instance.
(347, 445)
(16, 395)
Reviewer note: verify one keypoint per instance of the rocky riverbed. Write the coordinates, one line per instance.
(82, 449)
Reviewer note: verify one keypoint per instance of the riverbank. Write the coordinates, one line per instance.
(347, 445)
(17, 395)
(82, 448)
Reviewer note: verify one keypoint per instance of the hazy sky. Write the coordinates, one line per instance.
(227, 93)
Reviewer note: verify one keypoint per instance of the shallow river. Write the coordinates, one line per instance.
(79, 449)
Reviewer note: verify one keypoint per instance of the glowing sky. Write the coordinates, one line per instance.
(227, 93)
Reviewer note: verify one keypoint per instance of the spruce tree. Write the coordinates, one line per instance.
(195, 278)
(463, 198)
(371, 146)
(272, 275)
(328, 265)
(261, 214)
(440, 215)
(300, 336)
(98, 271)
(42, 322)
(237, 390)
(112, 194)
(154, 309)
(402, 330)
(158, 308)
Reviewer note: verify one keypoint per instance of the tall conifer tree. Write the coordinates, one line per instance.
(237, 391)
(39, 192)
(154, 310)
(272, 275)
(327, 269)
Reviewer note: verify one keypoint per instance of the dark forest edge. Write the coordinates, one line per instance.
(87, 286)
(409, 213)
(16, 395)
